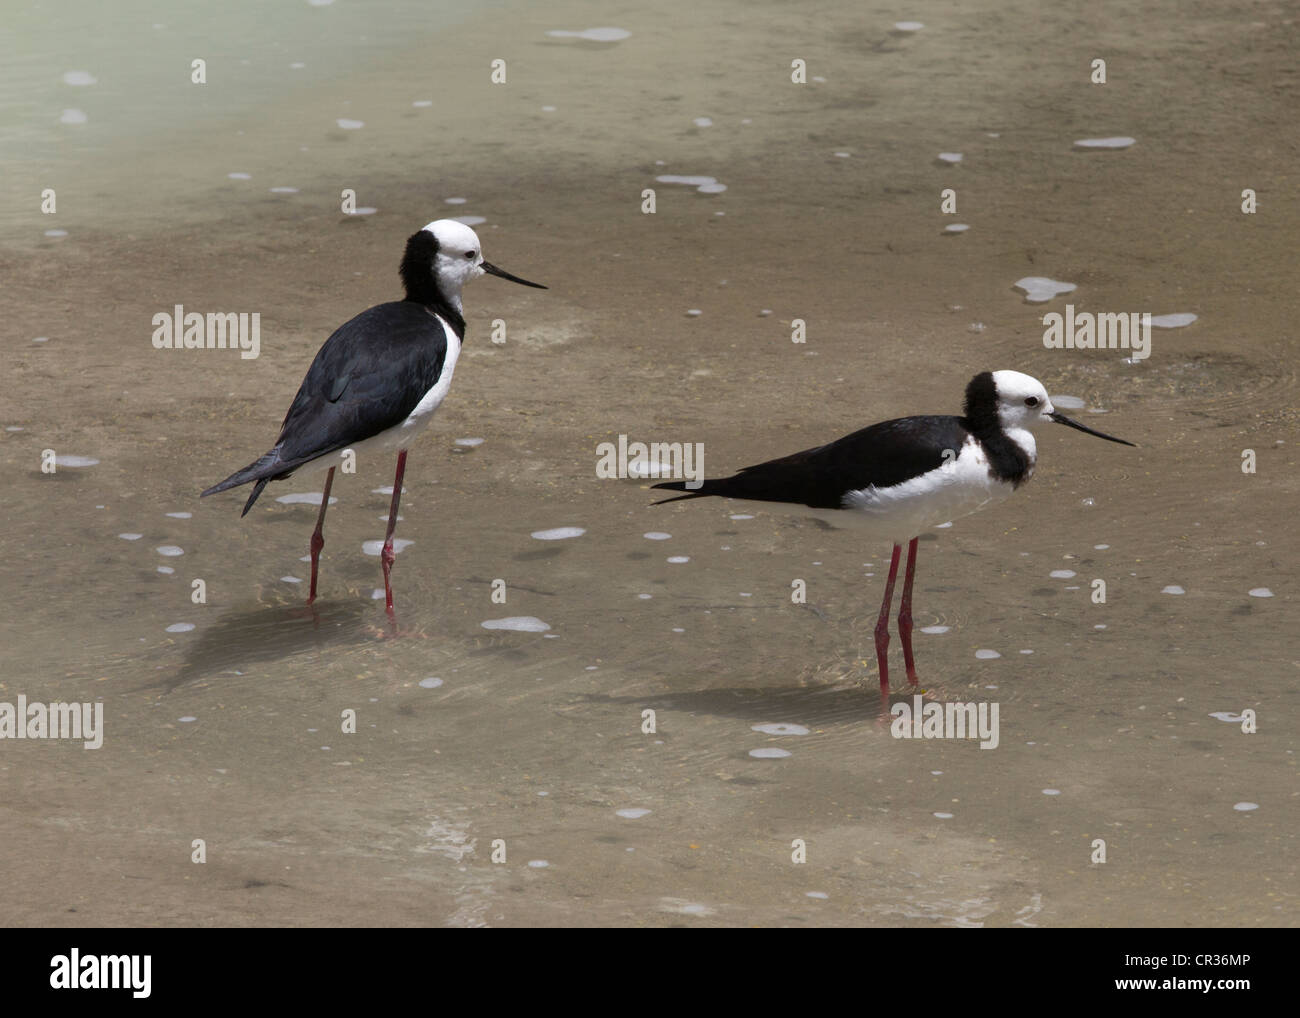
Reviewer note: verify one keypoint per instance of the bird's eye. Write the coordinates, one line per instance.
(469, 254)
(1031, 401)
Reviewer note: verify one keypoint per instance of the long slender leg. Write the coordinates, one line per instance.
(386, 556)
(905, 612)
(317, 537)
(882, 624)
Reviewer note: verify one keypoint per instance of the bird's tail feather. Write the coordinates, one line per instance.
(266, 468)
(702, 492)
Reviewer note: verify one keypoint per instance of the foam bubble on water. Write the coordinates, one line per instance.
(169, 550)
(548, 109)
(950, 157)
(14, 427)
(130, 537)
(944, 816)
(538, 864)
(297, 65)
(1067, 402)
(1051, 791)
(78, 78)
(56, 233)
(679, 559)
(240, 176)
(429, 683)
(703, 122)
(656, 535)
(644, 467)
(1228, 716)
(934, 630)
(180, 627)
(290, 579)
(1172, 321)
(187, 719)
(455, 201)
(1063, 574)
(1173, 588)
(779, 728)
(283, 190)
(305, 498)
(1101, 547)
(517, 623)
(740, 516)
(1260, 592)
(75, 461)
(769, 753)
(470, 220)
(166, 569)
(1245, 807)
(842, 155)
(365, 210)
(72, 116)
(350, 125)
(632, 812)
(956, 228)
(908, 26)
(645, 597)
(1116, 142)
(987, 655)
(605, 34)
(470, 443)
(422, 103)
(558, 533)
(694, 312)
(378, 594)
(1039, 289)
(819, 895)
(180, 516)
(700, 183)
(375, 547)
(375, 491)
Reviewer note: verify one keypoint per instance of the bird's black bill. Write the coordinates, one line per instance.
(491, 269)
(1062, 419)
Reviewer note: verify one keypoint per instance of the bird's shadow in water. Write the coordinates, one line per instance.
(267, 633)
(813, 707)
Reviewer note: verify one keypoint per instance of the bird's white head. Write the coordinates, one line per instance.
(1017, 402)
(442, 258)
(1022, 401)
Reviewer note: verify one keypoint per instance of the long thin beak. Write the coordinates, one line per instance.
(491, 269)
(1062, 419)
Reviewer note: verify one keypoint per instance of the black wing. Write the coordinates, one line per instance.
(882, 455)
(368, 377)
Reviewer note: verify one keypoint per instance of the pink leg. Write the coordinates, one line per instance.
(317, 537)
(882, 625)
(905, 612)
(386, 556)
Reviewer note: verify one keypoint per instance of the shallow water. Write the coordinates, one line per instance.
(231, 731)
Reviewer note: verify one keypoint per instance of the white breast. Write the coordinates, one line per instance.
(957, 488)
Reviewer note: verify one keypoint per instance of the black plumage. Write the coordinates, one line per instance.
(367, 377)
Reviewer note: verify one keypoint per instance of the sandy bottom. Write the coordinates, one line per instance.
(533, 745)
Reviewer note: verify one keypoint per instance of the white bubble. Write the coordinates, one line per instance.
(656, 535)
(180, 627)
(780, 728)
(240, 176)
(518, 623)
(558, 533)
(169, 550)
(1063, 574)
(1173, 588)
(987, 655)
(950, 157)
(79, 78)
(769, 753)
(1172, 321)
(679, 559)
(1260, 592)
(72, 116)
(1039, 289)
(632, 813)
(934, 630)
(1116, 142)
(130, 537)
(1246, 807)
(593, 34)
(350, 125)
(75, 461)
(470, 442)
(430, 683)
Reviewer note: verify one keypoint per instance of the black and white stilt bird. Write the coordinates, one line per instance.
(903, 476)
(379, 378)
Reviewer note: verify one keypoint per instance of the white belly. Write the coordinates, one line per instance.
(957, 488)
